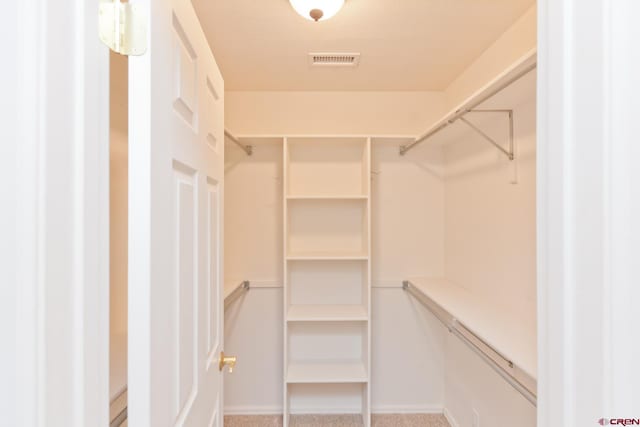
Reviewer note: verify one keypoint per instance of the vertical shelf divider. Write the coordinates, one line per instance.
(285, 271)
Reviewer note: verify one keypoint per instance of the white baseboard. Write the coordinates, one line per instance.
(450, 418)
(380, 409)
(253, 410)
(407, 409)
(325, 411)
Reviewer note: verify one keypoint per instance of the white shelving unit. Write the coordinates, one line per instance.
(327, 269)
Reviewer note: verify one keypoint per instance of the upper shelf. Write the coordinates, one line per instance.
(498, 94)
(509, 331)
(327, 167)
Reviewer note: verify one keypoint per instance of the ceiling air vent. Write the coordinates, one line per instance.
(334, 59)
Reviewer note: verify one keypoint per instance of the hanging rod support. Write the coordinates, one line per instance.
(509, 153)
(470, 107)
(243, 287)
(246, 148)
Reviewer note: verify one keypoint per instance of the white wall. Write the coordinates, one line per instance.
(316, 113)
(253, 251)
(490, 249)
(407, 240)
(519, 39)
(490, 223)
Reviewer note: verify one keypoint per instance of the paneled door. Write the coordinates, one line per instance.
(176, 170)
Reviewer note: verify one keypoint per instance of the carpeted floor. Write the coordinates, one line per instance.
(392, 420)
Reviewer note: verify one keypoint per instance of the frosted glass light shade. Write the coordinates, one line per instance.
(317, 10)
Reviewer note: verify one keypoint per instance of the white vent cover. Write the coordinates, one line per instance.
(334, 59)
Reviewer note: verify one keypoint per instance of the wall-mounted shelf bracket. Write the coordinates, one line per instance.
(509, 152)
(240, 289)
(246, 148)
(521, 68)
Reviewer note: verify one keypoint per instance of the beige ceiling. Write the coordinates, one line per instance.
(405, 44)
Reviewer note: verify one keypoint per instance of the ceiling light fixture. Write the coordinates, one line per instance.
(317, 10)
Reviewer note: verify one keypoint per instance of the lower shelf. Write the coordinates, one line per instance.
(339, 372)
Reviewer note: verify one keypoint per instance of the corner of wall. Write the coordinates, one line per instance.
(514, 43)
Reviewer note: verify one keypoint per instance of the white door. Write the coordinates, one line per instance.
(176, 169)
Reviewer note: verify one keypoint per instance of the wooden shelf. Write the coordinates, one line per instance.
(334, 372)
(326, 313)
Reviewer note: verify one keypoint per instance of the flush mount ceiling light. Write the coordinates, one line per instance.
(317, 10)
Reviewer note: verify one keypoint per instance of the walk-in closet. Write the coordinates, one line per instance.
(374, 276)
(372, 231)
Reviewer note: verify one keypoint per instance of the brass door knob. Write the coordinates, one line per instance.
(229, 361)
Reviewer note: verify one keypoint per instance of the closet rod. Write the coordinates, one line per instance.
(473, 341)
(246, 148)
(235, 294)
(453, 117)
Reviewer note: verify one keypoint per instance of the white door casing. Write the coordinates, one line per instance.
(588, 210)
(176, 170)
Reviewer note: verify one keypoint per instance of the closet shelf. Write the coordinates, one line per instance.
(327, 256)
(328, 197)
(503, 335)
(505, 328)
(336, 372)
(326, 313)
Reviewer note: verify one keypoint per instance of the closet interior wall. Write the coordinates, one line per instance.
(254, 232)
(490, 250)
(253, 251)
(433, 212)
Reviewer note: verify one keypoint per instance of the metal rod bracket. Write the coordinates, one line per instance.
(507, 152)
(470, 107)
(246, 148)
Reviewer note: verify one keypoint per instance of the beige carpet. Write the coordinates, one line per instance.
(394, 420)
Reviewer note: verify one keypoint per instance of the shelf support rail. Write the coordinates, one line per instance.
(235, 294)
(460, 113)
(246, 148)
(497, 361)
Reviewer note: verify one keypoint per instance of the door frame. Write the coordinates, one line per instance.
(588, 210)
(60, 228)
